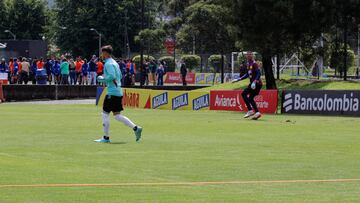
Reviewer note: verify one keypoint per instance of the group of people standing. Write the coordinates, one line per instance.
(58, 71)
(79, 71)
(69, 71)
(153, 71)
(21, 70)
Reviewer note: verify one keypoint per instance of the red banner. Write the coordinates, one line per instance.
(267, 101)
(170, 45)
(176, 78)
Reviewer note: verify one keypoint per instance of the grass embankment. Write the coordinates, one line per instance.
(293, 84)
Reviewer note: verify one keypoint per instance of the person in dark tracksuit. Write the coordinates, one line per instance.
(160, 72)
(254, 73)
(183, 72)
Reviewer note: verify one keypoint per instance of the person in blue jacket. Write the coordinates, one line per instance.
(55, 72)
(92, 70)
(122, 65)
(48, 65)
(33, 69)
(4, 68)
(160, 72)
(85, 72)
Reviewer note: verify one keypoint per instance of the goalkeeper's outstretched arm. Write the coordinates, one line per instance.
(242, 78)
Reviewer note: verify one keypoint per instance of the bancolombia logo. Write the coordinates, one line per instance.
(160, 100)
(339, 102)
(201, 102)
(180, 101)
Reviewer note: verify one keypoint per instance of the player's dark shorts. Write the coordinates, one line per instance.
(254, 92)
(113, 104)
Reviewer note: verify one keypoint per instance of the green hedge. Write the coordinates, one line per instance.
(170, 63)
(192, 61)
(136, 59)
(215, 63)
(337, 59)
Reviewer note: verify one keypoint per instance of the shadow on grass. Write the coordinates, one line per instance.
(119, 143)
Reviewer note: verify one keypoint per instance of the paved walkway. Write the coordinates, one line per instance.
(83, 101)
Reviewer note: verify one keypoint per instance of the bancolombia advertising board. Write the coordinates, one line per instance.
(267, 101)
(321, 102)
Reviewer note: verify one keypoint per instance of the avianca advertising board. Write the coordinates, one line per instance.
(267, 101)
(176, 78)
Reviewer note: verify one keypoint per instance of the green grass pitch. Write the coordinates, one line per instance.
(52, 144)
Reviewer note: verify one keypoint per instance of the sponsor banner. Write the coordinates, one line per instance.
(158, 99)
(136, 98)
(321, 102)
(200, 78)
(3, 78)
(176, 78)
(208, 78)
(267, 101)
(200, 101)
(180, 100)
(132, 98)
(228, 77)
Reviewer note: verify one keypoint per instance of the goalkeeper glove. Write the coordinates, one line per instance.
(253, 85)
(101, 78)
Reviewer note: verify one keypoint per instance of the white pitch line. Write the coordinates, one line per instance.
(155, 184)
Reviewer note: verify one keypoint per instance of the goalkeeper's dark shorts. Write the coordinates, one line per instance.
(113, 104)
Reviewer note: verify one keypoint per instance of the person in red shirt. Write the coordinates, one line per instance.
(40, 64)
(78, 67)
(11, 69)
(19, 64)
(100, 68)
(128, 65)
(19, 76)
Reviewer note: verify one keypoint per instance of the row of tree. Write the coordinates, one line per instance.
(27, 19)
(271, 27)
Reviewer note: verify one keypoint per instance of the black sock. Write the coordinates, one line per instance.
(135, 128)
(106, 138)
